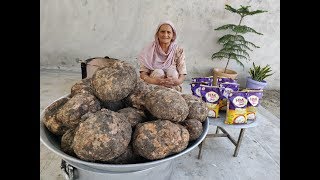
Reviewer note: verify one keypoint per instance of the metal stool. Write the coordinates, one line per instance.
(219, 122)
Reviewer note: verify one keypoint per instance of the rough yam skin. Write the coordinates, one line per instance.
(197, 108)
(115, 81)
(98, 62)
(66, 142)
(82, 86)
(194, 128)
(50, 120)
(134, 116)
(77, 106)
(55, 126)
(165, 103)
(136, 99)
(128, 157)
(113, 106)
(190, 98)
(103, 136)
(160, 138)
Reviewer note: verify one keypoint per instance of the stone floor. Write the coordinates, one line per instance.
(271, 101)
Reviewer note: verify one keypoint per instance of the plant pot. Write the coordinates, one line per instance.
(220, 72)
(253, 84)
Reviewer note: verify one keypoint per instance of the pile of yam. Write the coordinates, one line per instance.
(114, 117)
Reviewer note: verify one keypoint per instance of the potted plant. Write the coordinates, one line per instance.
(256, 80)
(235, 46)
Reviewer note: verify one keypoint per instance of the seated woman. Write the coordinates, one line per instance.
(163, 62)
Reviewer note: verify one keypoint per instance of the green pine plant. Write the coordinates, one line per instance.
(259, 73)
(235, 46)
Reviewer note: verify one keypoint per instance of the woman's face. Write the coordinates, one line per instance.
(165, 34)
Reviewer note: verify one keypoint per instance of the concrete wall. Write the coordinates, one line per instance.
(80, 29)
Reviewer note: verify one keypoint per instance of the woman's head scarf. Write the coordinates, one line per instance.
(153, 57)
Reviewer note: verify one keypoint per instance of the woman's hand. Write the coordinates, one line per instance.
(158, 81)
(167, 82)
(170, 81)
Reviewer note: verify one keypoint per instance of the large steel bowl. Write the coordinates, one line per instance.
(53, 143)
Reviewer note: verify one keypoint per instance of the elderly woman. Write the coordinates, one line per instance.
(163, 61)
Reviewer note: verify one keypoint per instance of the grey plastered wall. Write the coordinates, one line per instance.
(80, 29)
